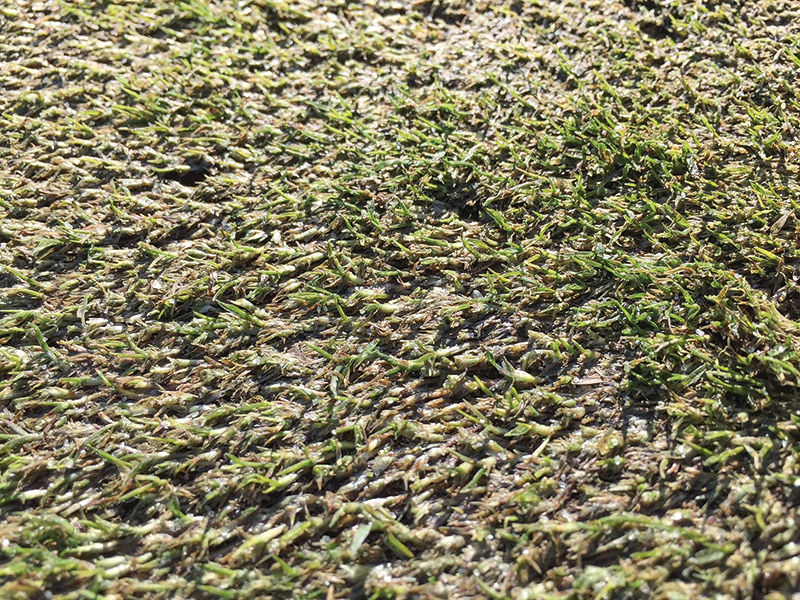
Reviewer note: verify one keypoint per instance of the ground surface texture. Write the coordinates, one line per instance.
(429, 299)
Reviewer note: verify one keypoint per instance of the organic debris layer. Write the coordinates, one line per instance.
(387, 299)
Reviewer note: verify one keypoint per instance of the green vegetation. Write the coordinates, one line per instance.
(430, 299)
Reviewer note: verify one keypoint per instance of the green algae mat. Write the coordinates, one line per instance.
(383, 299)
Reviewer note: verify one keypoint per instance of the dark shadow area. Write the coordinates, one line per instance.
(190, 174)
